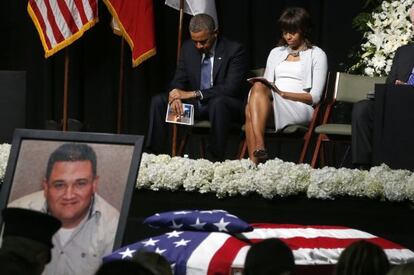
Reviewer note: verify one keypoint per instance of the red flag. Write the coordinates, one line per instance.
(60, 22)
(135, 20)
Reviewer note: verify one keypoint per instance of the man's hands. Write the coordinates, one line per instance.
(175, 99)
(177, 107)
(399, 82)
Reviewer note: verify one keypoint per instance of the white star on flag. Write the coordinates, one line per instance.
(160, 251)
(198, 225)
(150, 242)
(221, 226)
(175, 226)
(127, 253)
(174, 234)
(182, 242)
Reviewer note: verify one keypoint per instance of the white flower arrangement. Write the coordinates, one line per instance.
(275, 178)
(4, 157)
(389, 28)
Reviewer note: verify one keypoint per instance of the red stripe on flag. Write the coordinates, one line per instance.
(330, 243)
(296, 226)
(137, 26)
(67, 15)
(41, 21)
(81, 9)
(93, 4)
(145, 33)
(51, 18)
(222, 260)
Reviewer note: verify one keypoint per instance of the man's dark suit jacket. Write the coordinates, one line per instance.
(229, 70)
(402, 64)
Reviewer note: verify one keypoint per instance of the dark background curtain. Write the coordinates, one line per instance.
(95, 57)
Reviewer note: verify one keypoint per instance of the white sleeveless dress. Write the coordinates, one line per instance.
(288, 78)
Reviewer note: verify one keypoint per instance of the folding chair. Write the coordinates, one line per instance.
(203, 126)
(348, 88)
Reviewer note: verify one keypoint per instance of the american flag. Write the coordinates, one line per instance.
(61, 22)
(197, 252)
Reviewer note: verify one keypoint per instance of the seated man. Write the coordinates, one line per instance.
(209, 75)
(89, 223)
(363, 113)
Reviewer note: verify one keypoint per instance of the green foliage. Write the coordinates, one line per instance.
(359, 23)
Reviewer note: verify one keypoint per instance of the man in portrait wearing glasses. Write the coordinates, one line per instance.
(209, 75)
(89, 223)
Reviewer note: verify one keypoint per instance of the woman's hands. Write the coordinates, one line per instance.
(302, 97)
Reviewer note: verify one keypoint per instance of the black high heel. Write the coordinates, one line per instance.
(261, 155)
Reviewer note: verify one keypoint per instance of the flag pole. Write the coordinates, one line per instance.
(180, 31)
(65, 92)
(121, 86)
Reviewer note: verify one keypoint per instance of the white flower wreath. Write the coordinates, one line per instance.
(275, 178)
(389, 28)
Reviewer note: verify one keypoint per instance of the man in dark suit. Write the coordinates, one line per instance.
(209, 76)
(402, 73)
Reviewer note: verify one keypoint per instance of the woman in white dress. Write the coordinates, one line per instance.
(298, 69)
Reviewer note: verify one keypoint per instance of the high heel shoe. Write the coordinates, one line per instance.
(261, 155)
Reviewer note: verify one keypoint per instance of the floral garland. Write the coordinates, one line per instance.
(389, 27)
(272, 179)
(275, 178)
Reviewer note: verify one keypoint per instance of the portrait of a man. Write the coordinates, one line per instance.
(89, 222)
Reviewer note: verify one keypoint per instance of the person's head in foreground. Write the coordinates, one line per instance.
(70, 183)
(154, 262)
(269, 257)
(362, 258)
(295, 24)
(27, 241)
(143, 263)
(203, 32)
(124, 267)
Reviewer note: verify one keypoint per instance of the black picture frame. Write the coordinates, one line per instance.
(26, 138)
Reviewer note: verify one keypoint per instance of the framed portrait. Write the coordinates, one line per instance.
(39, 175)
